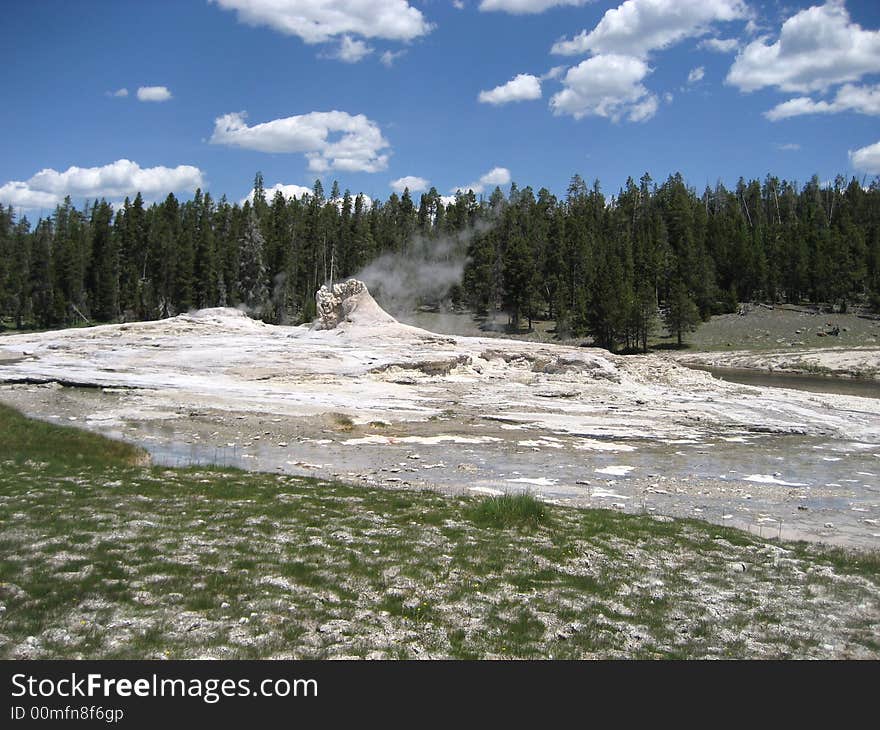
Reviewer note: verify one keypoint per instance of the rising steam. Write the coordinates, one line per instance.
(423, 274)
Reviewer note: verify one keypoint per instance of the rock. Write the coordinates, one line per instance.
(225, 604)
(738, 567)
(829, 524)
(339, 303)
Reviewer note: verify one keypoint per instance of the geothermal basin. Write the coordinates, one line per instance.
(360, 397)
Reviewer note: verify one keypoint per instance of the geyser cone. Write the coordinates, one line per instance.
(348, 303)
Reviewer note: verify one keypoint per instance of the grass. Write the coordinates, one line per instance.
(342, 422)
(30, 440)
(102, 556)
(509, 510)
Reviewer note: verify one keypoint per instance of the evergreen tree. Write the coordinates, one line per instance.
(682, 314)
(205, 264)
(41, 292)
(102, 276)
(252, 269)
(517, 271)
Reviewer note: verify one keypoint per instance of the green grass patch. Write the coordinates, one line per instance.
(25, 439)
(509, 510)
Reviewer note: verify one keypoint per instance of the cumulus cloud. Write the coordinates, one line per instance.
(119, 93)
(606, 86)
(553, 73)
(415, 184)
(495, 177)
(288, 191)
(696, 74)
(118, 179)
(638, 27)
(526, 7)
(523, 87)
(330, 140)
(152, 93)
(866, 159)
(719, 45)
(817, 48)
(294, 191)
(849, 98)
(316, 21)
(389, 57)
(351, 50)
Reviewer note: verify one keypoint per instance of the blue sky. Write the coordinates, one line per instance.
(431, 92)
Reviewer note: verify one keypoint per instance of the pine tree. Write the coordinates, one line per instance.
(252, 270)
(19, 304)
(681, 313)
(41, 292)
(102, 277)
(134, 254)
(205, 269)
(7, 220)
(517, 270)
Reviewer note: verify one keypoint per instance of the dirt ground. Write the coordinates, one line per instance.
(762, 327)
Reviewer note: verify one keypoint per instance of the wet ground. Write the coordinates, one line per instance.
(774, 485)
(865, 388)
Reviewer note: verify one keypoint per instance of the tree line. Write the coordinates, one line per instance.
(603, 266)
(607, 267)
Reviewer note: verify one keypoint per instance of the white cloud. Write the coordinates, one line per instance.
(866, 159)
(458, 4)
(553, 73)
(119, 93)
(49, 187)
(296, 191)
(288, 191)
(351, 50)
(153, 93)
(415, 184)
(817, 48)
(789, 147)
(523, 87)
(357, 148)
(495, 177)
(719, 45)
(638, 27)
(606, 86)
(389, 57)
(849, 98)
(316, 21)
(526, 7)
(696, 74)
(20, 195)
(644, 110)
